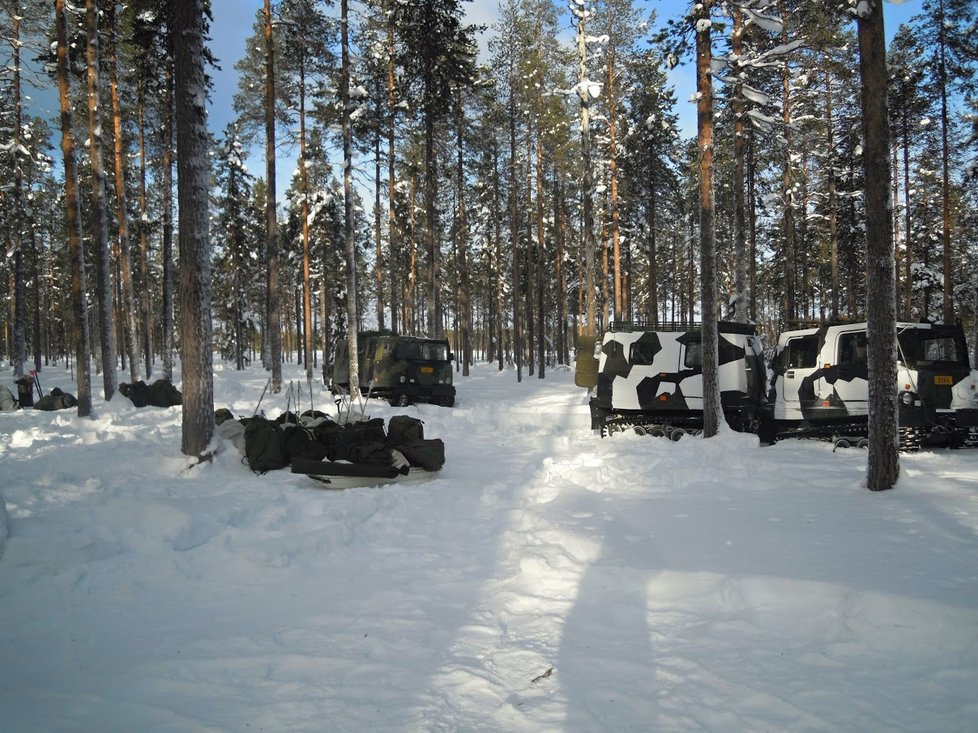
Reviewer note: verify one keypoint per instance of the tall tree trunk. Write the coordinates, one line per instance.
(540, 256)
(306, 259)
(945, 166)
(787, 180)
(652, 306)
(830, 185)
(144, 301)
(168, 346)
(708, 248)
(271, 223)
(560, 243)
(431, 216)
(103, 263)
(908, 254)
(587, 184)
(530, 261)
(393, 235)
(884, 458)
(619, 288)
(193, 187)
(348, 240)
(378, 235)
(19, 351)
(461, 244)
(739, 214)
(73, 223)
(514, 227)
(498, 256)
(122, 214)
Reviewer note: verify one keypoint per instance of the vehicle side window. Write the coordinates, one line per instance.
(852, 348)
(939, 349)
(694, 355)
(802, 352)
(641, 353)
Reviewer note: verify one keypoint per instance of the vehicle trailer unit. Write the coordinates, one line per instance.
(650, 377)
(819, 384)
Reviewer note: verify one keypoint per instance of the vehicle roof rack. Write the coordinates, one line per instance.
(748, 329)
(819, 322)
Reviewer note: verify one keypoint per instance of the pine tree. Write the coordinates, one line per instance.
(100, 242)
(437, 52)
(884, 457)
(73, 220)
(193, 183)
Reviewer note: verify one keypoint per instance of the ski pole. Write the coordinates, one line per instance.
(262, 396)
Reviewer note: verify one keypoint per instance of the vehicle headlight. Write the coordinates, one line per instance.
(403, 379)
(907, 398)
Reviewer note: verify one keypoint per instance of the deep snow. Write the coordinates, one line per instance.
(545, 580)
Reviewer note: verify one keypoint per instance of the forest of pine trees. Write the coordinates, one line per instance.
(513, 201)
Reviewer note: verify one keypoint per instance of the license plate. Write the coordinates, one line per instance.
(940, 379)
(429, 370)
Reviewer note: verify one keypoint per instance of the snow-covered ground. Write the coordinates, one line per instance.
(545, 580)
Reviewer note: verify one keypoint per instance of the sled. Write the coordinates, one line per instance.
(343, 475)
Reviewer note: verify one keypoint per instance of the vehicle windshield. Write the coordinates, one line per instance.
(422, 351)
(926, 347)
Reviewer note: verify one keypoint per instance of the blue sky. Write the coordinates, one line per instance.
(233, 20)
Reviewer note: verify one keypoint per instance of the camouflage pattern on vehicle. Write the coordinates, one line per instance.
(820, 382)
(651, 378)
(400, 369)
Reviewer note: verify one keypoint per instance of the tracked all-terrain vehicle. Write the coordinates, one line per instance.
(650, 378)
(819, 385)
(400, 369)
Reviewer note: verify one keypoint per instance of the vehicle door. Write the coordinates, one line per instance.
(850, 373)
(795, 366)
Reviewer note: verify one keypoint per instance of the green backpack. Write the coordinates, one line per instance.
(264, 445)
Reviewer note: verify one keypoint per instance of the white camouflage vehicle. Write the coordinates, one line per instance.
(650, 378)
(819, 384)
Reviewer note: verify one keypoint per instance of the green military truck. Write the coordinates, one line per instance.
(400, 369)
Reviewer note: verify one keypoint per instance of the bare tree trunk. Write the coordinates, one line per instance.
(103, 264)
(833, 219)
(619, 287)
(122, 215)
(908, 255)
(351, 266)
(945, 168)
(19, 351)
(540, 259)
(884, 456)
(73, 223)
(739, 220)
(193, 187)
(708, 249)
(144, 302)
(787, 180)
(393, 236)
(271, 223)
(167, 203)
(462, 245)
(587, 184)
(530, 261)
(514, 228)
(306, 260)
